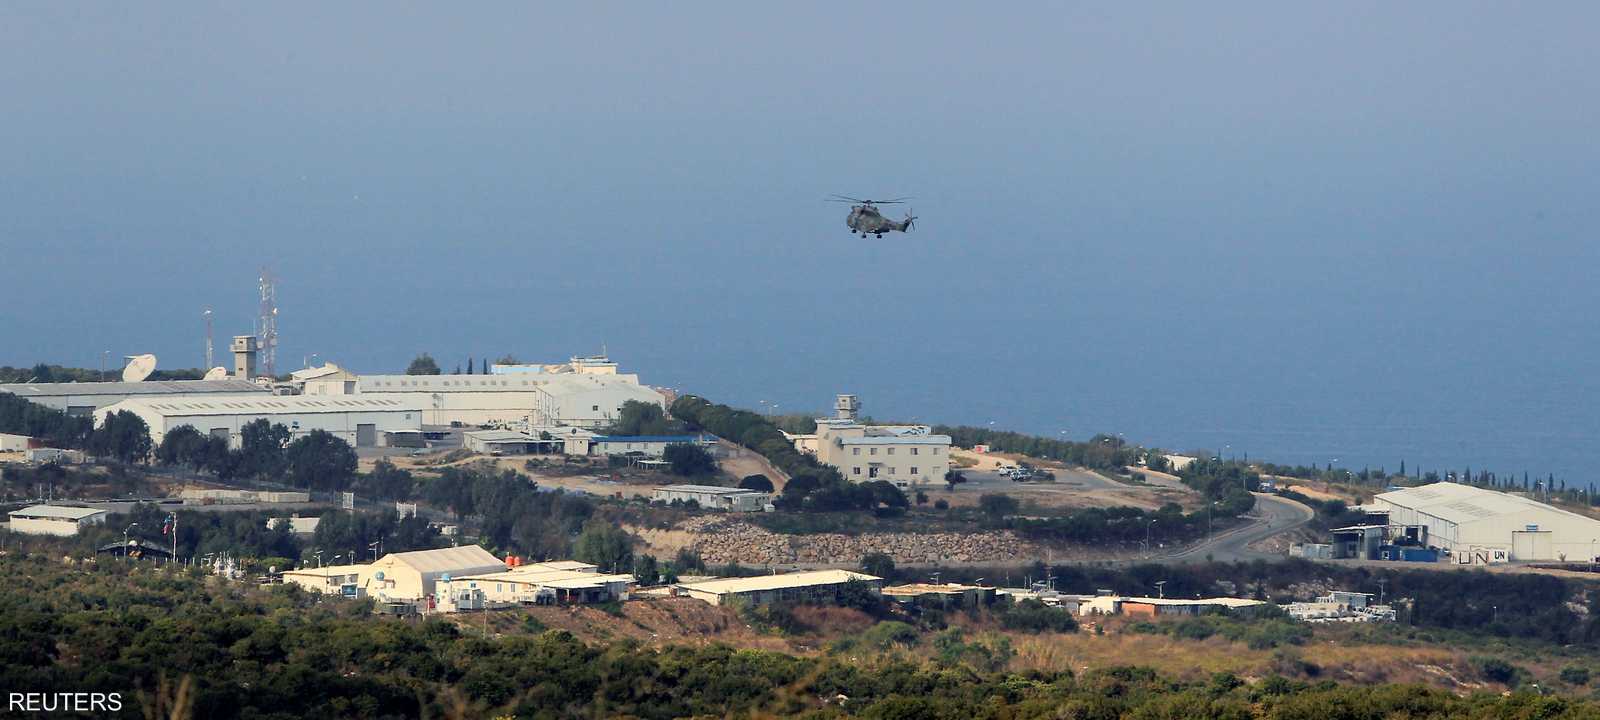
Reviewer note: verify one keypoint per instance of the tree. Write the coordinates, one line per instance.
(640, 418)
(320, 461)
(604, 544)
(646, 571)
(423, 365)
(261, 444)
(122, 435)
(386, 482)
(758, 483)
(183, 445)
(689, 460)
(997, 506)
(877, 563)
(508, 359)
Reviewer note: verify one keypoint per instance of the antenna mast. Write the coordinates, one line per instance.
(268, 323)
(206, 311)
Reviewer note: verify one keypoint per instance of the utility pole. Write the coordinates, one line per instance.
(1381, 583)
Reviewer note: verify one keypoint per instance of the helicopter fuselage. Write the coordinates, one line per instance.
(866, 219)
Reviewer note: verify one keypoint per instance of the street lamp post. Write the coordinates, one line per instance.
(125, 532)
(1161, 589)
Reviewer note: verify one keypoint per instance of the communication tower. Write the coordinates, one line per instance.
(267, 325)
(206, 311)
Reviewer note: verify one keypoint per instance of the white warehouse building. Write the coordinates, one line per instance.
(84, 398)
(1461, 518)
(360, 421)
(588, 401)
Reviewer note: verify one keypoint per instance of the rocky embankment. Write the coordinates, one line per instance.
(722, 540)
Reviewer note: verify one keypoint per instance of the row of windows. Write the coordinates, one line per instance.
(888, 451)
(874, 472)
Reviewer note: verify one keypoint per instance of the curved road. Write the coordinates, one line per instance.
(1273, 515)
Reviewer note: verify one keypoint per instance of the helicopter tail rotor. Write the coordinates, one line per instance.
(911, 219)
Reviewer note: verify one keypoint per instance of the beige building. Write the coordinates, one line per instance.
(54, 519)
(397, 577)
(906, 455)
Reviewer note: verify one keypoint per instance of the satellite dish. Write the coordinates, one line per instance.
(139, 367)
(216, 373)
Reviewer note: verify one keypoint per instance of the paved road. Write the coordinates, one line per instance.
(1273, 515)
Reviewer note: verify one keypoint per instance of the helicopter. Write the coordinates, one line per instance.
(864, 217)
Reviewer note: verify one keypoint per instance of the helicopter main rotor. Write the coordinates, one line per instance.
(858, 201)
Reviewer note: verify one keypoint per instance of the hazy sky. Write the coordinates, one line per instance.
(1350, 230)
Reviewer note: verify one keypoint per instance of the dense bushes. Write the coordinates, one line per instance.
(279, 653)
(1102, 452)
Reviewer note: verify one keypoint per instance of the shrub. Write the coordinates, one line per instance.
(1575, 675)
(1033, 616)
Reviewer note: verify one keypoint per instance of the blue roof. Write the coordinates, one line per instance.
(655, 438)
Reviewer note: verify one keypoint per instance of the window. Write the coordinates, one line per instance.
(873, 452)
(891, 451)
(914, 470)
(936, 451)
(913, 452)
(595, 408)
(855, 451)
(855, 470)
(890, 471)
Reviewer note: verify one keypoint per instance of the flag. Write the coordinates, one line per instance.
(170, 525)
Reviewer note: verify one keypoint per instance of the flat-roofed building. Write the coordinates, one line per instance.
(16, 443)
(815, 586)
(715, 497)
(360, 421)
(54, 519)
(1152, 607)
(907, 456)
(554, 583)
(83, 399)
(647, 445)
(944, 595)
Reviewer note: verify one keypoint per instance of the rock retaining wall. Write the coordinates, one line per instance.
(720, 541)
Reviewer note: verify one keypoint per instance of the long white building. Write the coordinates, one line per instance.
(360, 421)
(83, 399)
(1461, 519)
(586, 392)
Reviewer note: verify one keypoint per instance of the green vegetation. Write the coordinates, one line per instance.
(43, 373)
(243, 651)
(642, 418)
(1102, 452)
(689, 460)
(1259, 633)
(758, 483)
(55, 428)
(424, 365)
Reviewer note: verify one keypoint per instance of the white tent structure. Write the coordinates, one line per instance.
(1460, 518)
